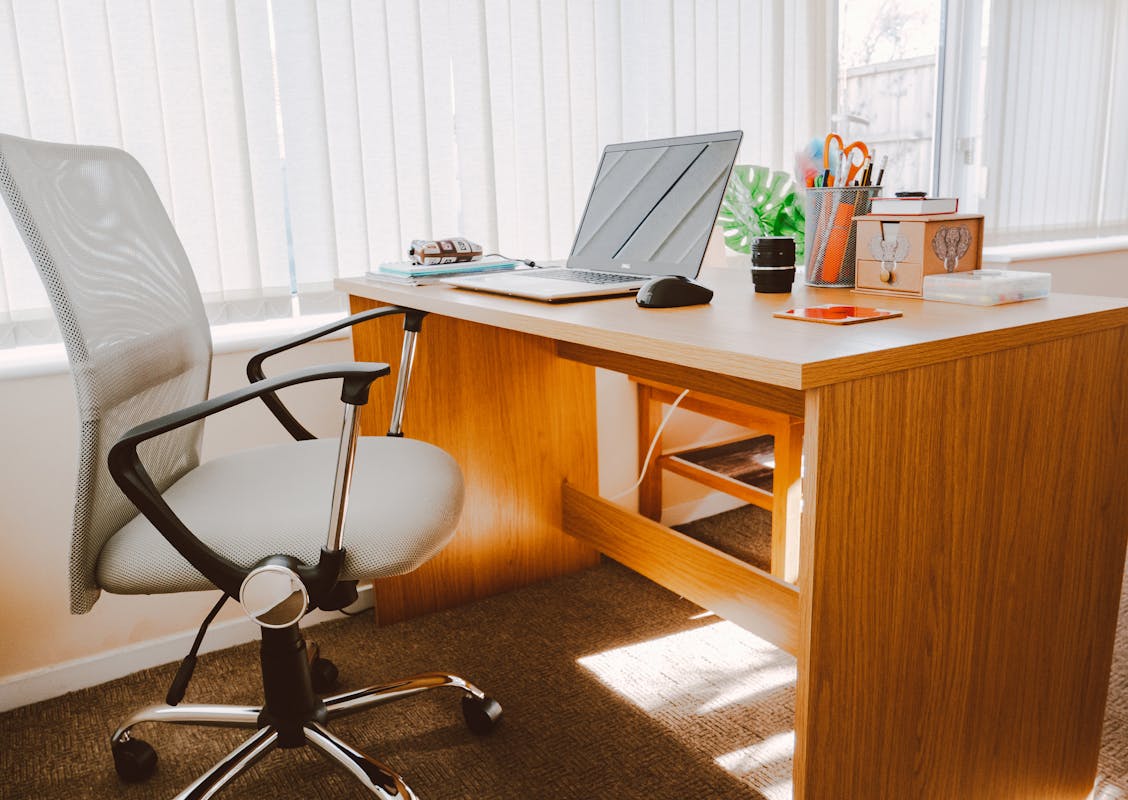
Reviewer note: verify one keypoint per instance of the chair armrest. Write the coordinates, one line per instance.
(412, 321)
(130, 475)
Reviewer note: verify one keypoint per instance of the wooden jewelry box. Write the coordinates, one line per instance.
(894, 253)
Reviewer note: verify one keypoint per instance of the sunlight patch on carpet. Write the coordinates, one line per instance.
(769, 759)
(719, 678)
(1106, 792)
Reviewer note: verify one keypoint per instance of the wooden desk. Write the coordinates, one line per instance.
(963, 528)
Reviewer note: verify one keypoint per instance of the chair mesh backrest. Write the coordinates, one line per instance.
(131, 315)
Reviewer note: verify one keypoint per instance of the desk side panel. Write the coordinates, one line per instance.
(519, 421)
(962, 554)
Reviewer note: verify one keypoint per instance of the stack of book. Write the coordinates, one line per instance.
(913, 206)
(407, 274)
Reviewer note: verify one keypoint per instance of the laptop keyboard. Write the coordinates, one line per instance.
(583, 276)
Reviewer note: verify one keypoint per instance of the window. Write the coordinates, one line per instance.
(887, 53)
(1040, 146)
(295, 141)
(1030, 99)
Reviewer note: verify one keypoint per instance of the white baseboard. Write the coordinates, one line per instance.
(81, 673)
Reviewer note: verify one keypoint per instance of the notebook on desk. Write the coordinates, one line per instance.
(650, 212)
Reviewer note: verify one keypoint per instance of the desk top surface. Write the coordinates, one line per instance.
(737, 335)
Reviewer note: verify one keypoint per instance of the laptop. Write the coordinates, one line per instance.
(650, 212)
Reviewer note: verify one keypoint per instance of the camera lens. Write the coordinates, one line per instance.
(773, 264)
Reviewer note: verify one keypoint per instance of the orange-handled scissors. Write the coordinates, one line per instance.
(848, 152)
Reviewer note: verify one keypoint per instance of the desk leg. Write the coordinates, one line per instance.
(962, 553)
(649, 418)
(519, 421)
(788, 453)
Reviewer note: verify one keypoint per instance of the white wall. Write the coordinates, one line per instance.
(1102, 272)
(682, 499)
(38, 429)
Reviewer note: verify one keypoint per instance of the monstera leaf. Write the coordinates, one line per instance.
(759, 202)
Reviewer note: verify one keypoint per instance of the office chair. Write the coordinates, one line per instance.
(249, 523)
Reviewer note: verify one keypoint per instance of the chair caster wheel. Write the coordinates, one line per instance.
(481, 715)
(135, 760)
(323, 675)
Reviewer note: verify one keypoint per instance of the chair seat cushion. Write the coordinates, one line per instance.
(405, 501)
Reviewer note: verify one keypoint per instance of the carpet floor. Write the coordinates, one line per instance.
(612, 687)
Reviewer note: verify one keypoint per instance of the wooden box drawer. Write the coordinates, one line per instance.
(913, 247)
(907, 277)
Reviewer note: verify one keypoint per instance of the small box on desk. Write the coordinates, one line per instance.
(987, 287)
(896, 252)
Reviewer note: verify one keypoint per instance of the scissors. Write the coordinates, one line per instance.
(847, 152)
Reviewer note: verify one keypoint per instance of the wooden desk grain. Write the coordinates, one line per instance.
(962, 549)
(737, 336)
(519, 421)
(963, 530)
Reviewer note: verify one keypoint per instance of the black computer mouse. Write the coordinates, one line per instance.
(672, 291)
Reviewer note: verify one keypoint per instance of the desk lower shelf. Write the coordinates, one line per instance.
(742, 468)
(748, 460)
(733, 589)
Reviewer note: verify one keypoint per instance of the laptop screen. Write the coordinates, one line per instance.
(653, 205)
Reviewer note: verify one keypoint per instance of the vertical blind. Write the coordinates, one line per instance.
(1055, 119)
(294, 141)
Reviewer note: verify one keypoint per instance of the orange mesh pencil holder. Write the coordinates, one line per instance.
(831, 233)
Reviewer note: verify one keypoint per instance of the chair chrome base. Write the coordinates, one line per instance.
(290, 725)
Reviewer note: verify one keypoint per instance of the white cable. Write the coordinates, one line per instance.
(650, 452)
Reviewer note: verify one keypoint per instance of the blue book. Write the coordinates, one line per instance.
(409, 270)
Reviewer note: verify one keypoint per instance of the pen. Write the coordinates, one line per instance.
(881, 170)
